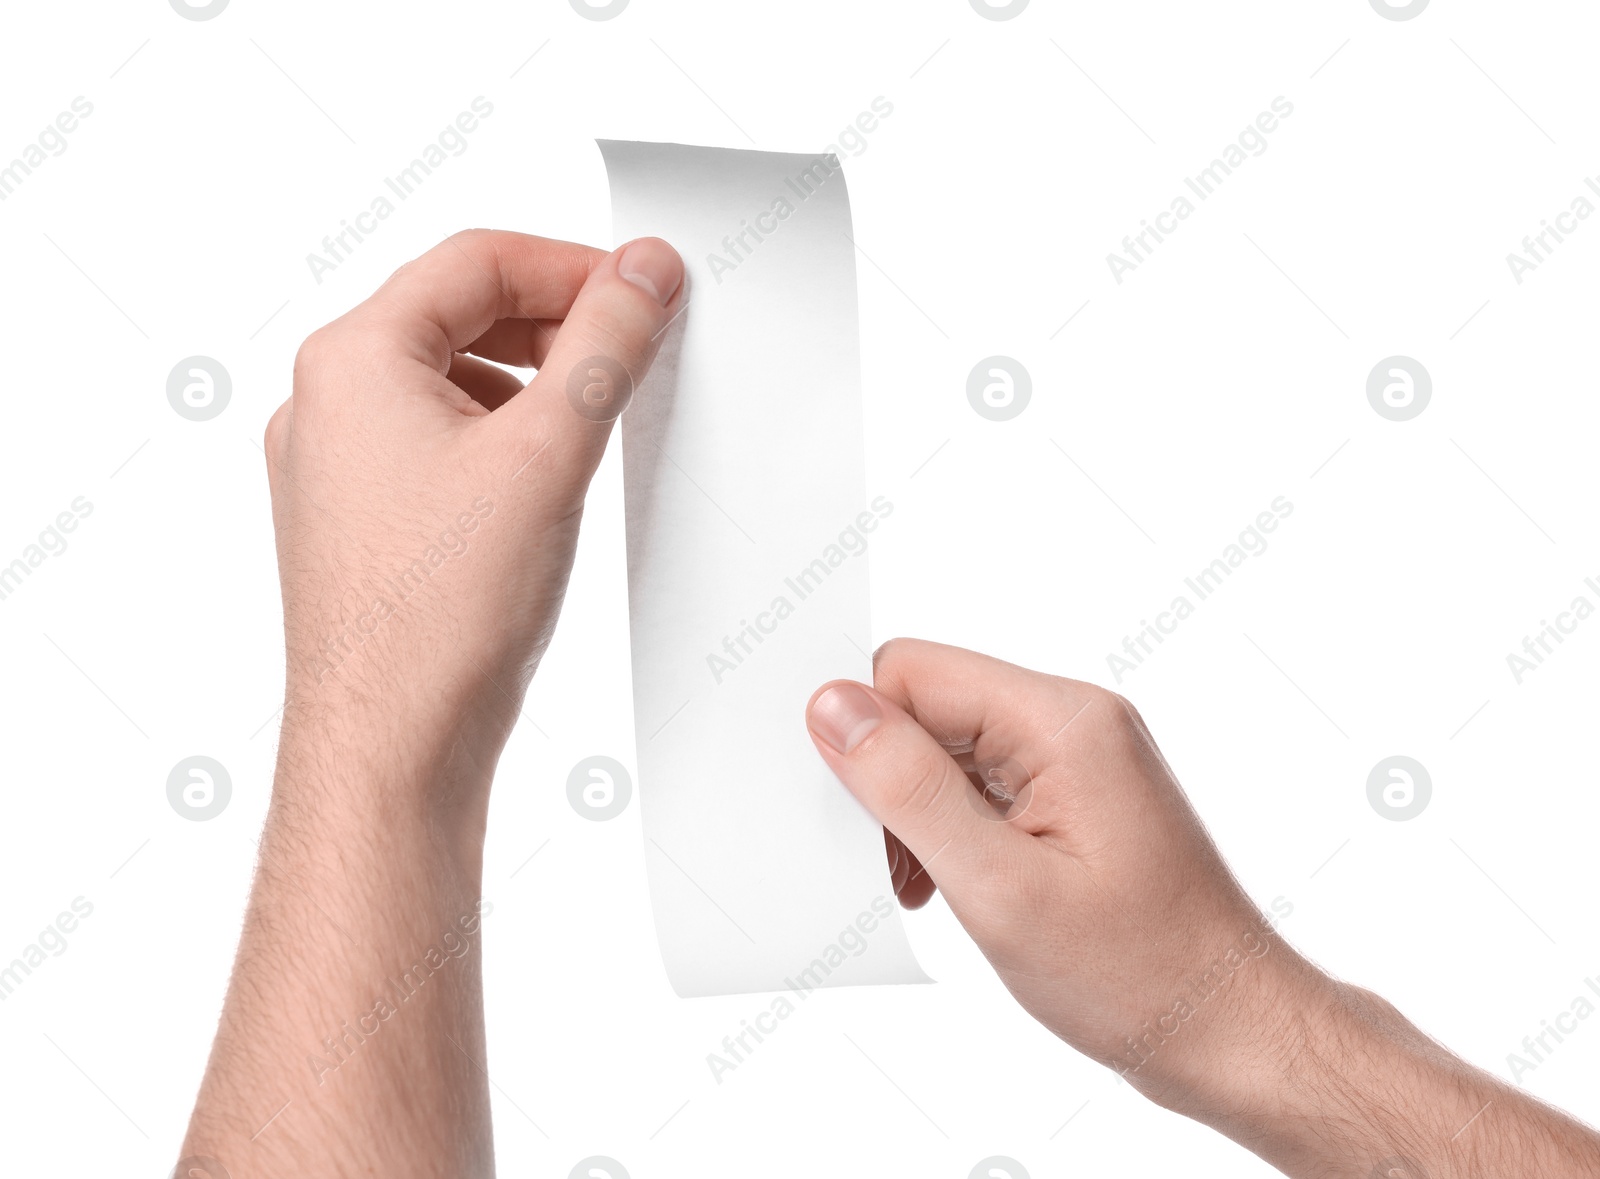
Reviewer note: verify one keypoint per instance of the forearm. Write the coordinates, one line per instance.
(426, 506)
(354, 1016)
(1115, 922)
(1354, 1089)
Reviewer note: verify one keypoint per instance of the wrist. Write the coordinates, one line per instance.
(433, 688)
(352, 769)
(1342, 1084)
(1234, 1040)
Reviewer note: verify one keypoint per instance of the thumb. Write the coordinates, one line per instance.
(600, 353)
(907, 780)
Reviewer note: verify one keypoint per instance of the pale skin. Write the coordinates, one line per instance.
(427, 505)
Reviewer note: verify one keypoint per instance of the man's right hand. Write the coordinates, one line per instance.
(1043, 811)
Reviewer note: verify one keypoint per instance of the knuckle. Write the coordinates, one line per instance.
(894, 656)
(400, 272)
(476, 244)
(889, 652)
(275, 438)
(1117, 703)
(313, 353)
(1134, 718)
(1106, 720)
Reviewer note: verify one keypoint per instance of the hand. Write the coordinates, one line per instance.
(426, 503)
(1046, 816)
(1043, 811)
(427, 508)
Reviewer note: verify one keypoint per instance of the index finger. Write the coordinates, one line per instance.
(440, 303)
(962, 697)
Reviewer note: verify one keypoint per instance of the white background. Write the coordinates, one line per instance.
(1222, 373)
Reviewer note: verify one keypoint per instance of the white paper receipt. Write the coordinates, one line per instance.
(748, 524)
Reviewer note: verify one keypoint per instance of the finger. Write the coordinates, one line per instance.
(523, 343)
(975, 705)
(912, 884)
(899, 861)
(906, 779)
(440, 303)
(487, 384)
(919, 887)
(603, 349)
